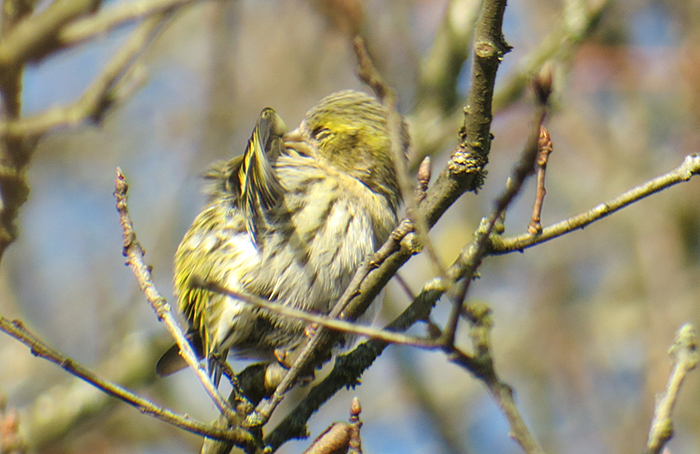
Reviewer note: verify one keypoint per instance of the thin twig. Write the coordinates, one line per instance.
(325, 321)
(689, 168)
(481, 365)
(404, 286)
(321, 337)
(545, 148)
(134, 254)
(685, 356)
(17, 330)
(369, 74)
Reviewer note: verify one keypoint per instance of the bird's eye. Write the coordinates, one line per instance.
(320, 133)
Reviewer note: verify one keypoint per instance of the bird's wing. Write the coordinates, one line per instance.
(260, 188)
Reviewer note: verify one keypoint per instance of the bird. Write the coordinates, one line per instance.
(289, 221)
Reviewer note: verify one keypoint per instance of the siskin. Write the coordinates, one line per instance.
(289, 221)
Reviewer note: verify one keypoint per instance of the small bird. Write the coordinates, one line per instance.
(289, 221)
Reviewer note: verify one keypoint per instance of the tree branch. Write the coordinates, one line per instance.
(688, 169)
(17, 330)
(134, 254)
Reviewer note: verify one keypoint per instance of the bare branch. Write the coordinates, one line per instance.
(432, 131)
(325, 321)
(545, 148)
(17, 330)
(369, 74)
(487, 39)
(134, 254)
(685, 356)
(689, 168)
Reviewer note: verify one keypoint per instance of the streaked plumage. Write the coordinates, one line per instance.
(289, 221)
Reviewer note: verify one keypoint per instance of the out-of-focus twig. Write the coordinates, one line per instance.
(19, 136)
(107, 19)
(437, 113)
(432, 131)
(433, 413)
(14, 189)
(130, 363)
(685, 356)
(35, 36)
(579, 21)
(102, 94)
(440, 70)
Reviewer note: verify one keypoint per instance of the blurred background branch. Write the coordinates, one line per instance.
(684, 354)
